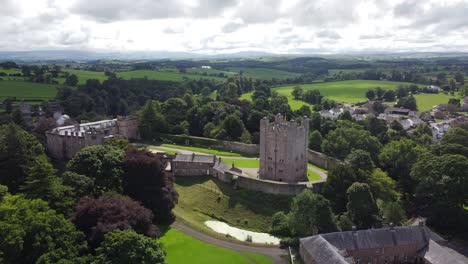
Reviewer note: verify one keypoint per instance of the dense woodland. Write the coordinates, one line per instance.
(94, 211)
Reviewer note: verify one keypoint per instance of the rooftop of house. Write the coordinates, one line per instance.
(334, 247)
(195, 158)
(396, 110)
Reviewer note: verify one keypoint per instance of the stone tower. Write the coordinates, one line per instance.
(283, 149)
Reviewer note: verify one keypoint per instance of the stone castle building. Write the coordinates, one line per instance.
(64, 142)
(283, 149)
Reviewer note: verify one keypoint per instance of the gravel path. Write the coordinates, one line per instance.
(274, 253)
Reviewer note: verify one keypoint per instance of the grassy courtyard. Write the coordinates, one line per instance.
(204, 150)
(181, 249)
(205, 198)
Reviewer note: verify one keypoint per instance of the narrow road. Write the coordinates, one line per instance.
(274, 253)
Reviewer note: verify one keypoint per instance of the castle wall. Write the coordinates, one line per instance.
(322, 160)
(182, 168)
(273, 187)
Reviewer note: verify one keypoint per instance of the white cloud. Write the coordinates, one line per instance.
(232, 25)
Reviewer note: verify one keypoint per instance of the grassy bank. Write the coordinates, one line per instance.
(205, 198)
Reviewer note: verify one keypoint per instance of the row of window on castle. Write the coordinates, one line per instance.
(282, 160)
(280, 171)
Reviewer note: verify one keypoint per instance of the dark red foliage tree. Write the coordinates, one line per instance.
(144, 180)
(97, 217)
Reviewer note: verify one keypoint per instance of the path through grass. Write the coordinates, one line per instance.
(204, 150)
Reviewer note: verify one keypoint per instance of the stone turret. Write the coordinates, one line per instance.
(283, 149)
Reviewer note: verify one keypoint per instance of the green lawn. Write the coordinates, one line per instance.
(23, 90)
(163, 75)
(203, 150)
(313, 176)
(427, 101)
(264, 74)
(243, 163)
(181, 249)
(343, 91)
(206, 198)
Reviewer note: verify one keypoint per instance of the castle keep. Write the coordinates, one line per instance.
(64, 142)
(283, 149)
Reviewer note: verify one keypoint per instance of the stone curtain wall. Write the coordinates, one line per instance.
(322, 160)
(270, 186)
(250, 149)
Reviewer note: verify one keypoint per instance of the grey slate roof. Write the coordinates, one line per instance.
(435, 253)
(195, 158)
(322, 251)
(222, 166)
(383, 237)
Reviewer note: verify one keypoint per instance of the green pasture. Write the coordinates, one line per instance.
(264, 74)
(203, 150)
(10, 71)
(201, 71)
(23, 90)
(343, 91)
(336, 71)
(84, 75)
(206, 198)
(427, 101)
(182, 248)
(162, 75)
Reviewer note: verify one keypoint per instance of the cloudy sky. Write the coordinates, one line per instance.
(223, 26)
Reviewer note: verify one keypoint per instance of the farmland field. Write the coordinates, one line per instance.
(427, 101)
(201, 71)
(264, 74)
(163, 75)
(342, 91)
(27, 90)
(182, 248)
(83, 75)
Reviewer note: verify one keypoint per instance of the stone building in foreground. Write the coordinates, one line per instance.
(283, 149)
(64, 142)
(406, 244)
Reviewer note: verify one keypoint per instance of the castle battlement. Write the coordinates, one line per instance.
(65, 141)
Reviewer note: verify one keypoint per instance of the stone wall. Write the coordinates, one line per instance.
(322, 160)
(250, 149)
(221, 175)
(66, 146)
(273, 187)
(181, 168)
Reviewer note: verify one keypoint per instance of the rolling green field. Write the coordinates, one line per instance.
(206, 198)
(342, 91)
(10, 71)
(163, 75)
(203, 150)
(201, 71)
(83, 75)
(335, 71)
(427, 101)
(264, 74)
(27, 90)
(181, 249)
